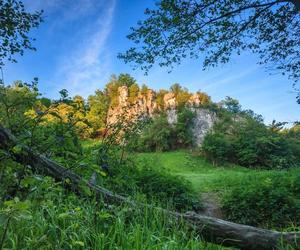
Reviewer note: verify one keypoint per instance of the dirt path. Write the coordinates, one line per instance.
(211, 205)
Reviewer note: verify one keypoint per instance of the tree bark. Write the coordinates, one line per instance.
(211, 229)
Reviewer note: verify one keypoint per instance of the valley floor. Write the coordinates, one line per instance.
(204, 176)
(211, 182)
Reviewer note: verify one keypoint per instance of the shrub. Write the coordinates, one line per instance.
(246, 141)
(272, 202)
(167, 189)
(130, 178)
(160, 135)
(182, 128)
(156, 136)
(217, 148)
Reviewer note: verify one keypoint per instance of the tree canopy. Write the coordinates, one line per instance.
(216, 30)
(15, 24)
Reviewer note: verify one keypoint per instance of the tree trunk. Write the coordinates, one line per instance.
(211, 229)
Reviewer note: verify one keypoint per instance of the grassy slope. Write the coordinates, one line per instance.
(204, 176)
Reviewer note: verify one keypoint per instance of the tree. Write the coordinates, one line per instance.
(15, 101)
(144, 90)
(126, 80)
(15, 24)
(232, 105)
(204, 98)
(182, 95)
(218, 29)
(133, 93)
(111, 88)
(160, 98)
(97, 114)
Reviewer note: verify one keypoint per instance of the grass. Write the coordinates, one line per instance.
(59, 220)
(204, 176)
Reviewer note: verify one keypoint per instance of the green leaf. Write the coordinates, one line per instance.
(78, 243)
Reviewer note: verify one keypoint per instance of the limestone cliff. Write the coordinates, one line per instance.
(145, 105)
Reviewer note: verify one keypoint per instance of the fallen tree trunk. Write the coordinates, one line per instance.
(211, 229)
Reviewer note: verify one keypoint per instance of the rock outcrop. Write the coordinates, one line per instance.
(202, 124)
(146, 105)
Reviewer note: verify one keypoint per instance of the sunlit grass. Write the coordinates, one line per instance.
(203, 175)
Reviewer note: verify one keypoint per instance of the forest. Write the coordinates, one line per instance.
(134, 167)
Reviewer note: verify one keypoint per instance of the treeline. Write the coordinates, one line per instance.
(239, 136)
(88, 117)
(59, 128)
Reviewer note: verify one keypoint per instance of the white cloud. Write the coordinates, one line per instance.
(88, 64)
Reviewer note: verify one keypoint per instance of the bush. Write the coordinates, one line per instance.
(246, 141)
(182, 128)
(156, 136)
(217, 147)
(167, 189)
(269, 203)
(130, 177)
(160, 135)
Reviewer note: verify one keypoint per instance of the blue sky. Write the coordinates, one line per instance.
(77, 49)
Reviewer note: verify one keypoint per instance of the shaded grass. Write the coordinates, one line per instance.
(63, 221)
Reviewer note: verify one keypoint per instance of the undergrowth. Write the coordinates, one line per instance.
(57, 219)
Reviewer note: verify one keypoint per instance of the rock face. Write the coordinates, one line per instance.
(202, 124)
(145, 105)
(169, 100)
(194, 100)
(123, 96)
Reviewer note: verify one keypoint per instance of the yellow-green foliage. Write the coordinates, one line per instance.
(97, 113)
(204, 98)
(15, 101)
(133, 93)
(160, 98)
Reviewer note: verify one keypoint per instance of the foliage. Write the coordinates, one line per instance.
(52, 130)
(160, 98)
(167, 189)
(133, 93)
(237, 187)
(15, 24)
(14, 210)
(91, 224)
(269, 202)
(293, 136)
(111, 88)
(182, 128)
(204, 98)
(232, 105)
(97, 113)
(175, 30)
(15, 100)
(182, 95)
(159, 135)
(217, 148)
(240, 137)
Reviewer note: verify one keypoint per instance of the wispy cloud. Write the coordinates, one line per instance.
(230, 78)
(87, 65)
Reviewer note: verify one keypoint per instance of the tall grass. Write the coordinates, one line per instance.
(62, 221)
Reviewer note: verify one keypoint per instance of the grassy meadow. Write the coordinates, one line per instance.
(203, 175)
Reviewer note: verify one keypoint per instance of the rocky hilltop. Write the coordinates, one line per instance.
(146, 105)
